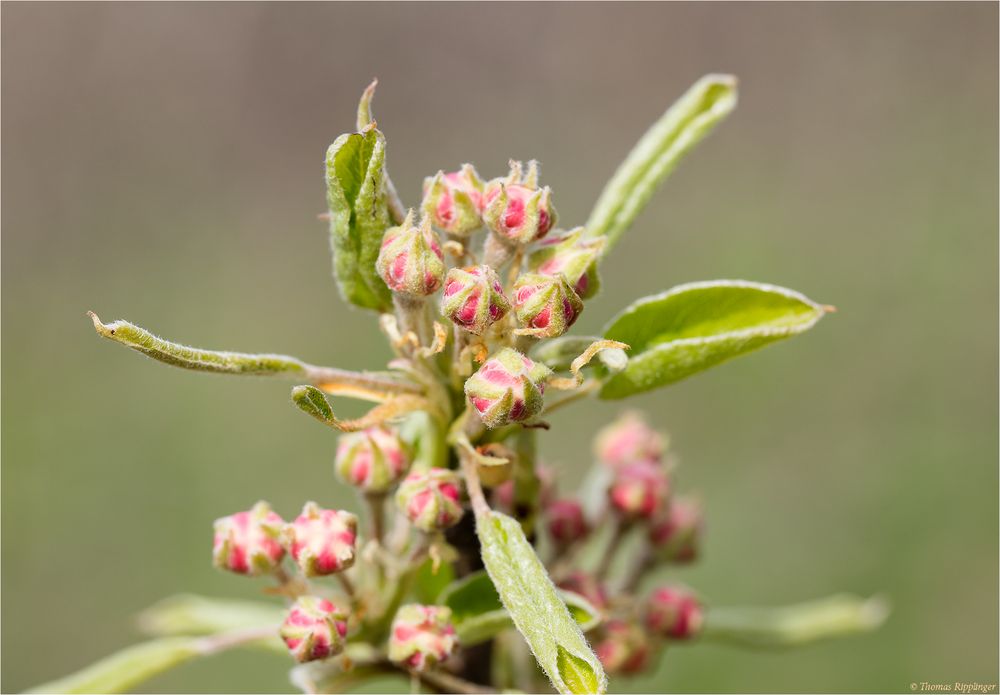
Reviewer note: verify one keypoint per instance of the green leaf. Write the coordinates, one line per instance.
(189, 614)
(119, 672)
(356, 197)
(658, 152)
(311, 401)
(696, 326)
(538, 612)
(796, 625)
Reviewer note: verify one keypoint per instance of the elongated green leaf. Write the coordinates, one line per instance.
(791, 626)
(538, 613)
(119, 672)
(696, 326)
(189, 614)
(356, 197)
(658, 152)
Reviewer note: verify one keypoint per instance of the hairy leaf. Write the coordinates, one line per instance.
(538, 612)
(696, 326)
(658, 152)
(189, 614)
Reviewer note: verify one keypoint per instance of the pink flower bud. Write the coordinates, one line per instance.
(474, 298)
(507, 388)
(248, 542)
(453, 201)
(410, 261)
(572, 256)
(676, 536)
(566, 522)
(321, 541)
(639, 490)
(545, 303)
(373, 459)
(431, 500)
(628, 440)
(421, 636)
(623, 648)
(674, 612)
(314, 629)
(516, 209)
(588, 586)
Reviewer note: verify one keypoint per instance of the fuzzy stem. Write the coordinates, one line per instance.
(375, 504)
(411, 315)
(496, 251)
(643, 563)
(617, 534)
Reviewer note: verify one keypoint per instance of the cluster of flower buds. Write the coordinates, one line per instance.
(373, 459)
(515, 208)
(431, 500)
(249, 542)
(573, 256)
(421, 636)
(410, 261)
(473, 298)
(453, 201)
(321, 541)
(314, 629)
(507, 388)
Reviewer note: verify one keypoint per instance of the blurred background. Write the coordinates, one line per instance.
(163, 163)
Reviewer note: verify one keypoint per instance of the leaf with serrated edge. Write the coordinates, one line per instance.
(538, 613)
(693, 327)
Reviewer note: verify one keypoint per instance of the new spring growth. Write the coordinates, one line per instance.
(431, 500)
(673, 612)
(314, 629)
(453, 201)
(321, 541)
(639, 490)
(571, 255)
(623, 647)
(248, 542)
(545, 306)
(474, 298)
(372, 459)
(410, 261)
(515, 208)
(627, 440)
(508, 388)
(675, 536)
(421, 636)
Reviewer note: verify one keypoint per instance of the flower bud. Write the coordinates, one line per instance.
(566, 522)
(248, 542)
(573, 257)
(321, 541)
(507, 388)
(516, 209)
(453, 201)
(628, 440)
(372, 459)
(588, 586)
(431, 500)
(421, 636)
(474, 298)
(676, 536)
(546, 303)
(623, 649)
(674, 612)
(314, 629)
(410, 261)
(639, 490)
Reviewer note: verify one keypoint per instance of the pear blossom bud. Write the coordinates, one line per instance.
(321, 541)
(431, 500)
(516, 209)
(639, 490)
(588, 586)
(624, 647)
(473, 298)
(566, 522)
(372, 459)
(410, 261)
(453, 201)
(573, 257)
(507, 388)
(546, 303)
(676, 536)
(628, 440)
(674, 612)
(314, 629)
(421, 636)
(248, 542)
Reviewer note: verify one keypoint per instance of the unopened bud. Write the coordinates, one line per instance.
(516, 209)
(321, 541)
(674, 612)
(572, 256)
(314, 629)
(566, 522)
(473, 298)
(248, 542)
(676, 536)
(421, 636)
(546, 304)
(431, 500)
(453, 201)
(372, 459)
(629, 440)
(639, 490)
(624, 647)
(410, 261)
(507, 388)
(588, 586)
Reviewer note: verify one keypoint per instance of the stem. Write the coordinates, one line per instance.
(348, 587)
(611, 548)
(375, 504)
(228, 640)
(411, 315)
(445, 682)
(642, 565)
(473, 486)
(496, 251)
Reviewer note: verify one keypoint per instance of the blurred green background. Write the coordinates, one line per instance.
(163, 162)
